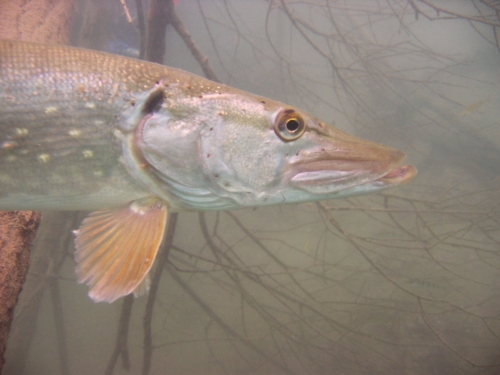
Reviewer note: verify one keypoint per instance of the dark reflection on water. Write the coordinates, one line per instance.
(404, 282)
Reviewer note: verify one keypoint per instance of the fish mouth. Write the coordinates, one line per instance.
(399, 176)
(377, 167)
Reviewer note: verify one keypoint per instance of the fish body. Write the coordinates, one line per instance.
(86, 130)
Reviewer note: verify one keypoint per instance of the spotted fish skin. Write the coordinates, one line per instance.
(59, 111)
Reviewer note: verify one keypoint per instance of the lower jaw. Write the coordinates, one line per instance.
(399, 176)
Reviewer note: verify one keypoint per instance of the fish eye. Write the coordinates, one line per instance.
(289, 125)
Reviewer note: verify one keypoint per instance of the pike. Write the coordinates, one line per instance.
(132, 141)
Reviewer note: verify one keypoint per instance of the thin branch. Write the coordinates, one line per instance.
(62, 349)
(225, 327)
(121, 345)
(155, 282)
(158, 19)
(127, 12)
(141, 25)
(178, 25)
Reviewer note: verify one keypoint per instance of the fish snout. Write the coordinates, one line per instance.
(348, 162)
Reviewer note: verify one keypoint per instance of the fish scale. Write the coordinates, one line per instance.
(59, 109)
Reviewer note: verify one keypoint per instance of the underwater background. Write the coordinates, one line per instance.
(402, 282)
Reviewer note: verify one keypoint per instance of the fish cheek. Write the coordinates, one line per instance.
(240, 158)
(211, 154)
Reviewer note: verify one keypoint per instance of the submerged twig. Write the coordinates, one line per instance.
(188, 40)
(225, 327)
(55, 294)
(121, 346)
(155, 281)
(141, 25)
(158, 19)
(127, 12)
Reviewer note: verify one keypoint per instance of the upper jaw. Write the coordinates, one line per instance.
(352, 163)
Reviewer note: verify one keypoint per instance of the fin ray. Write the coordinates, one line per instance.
(115, 248)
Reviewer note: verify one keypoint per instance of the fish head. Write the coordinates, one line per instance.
(329, 163)
(233, 150)
(286, 155)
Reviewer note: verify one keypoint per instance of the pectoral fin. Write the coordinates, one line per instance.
(116, 248)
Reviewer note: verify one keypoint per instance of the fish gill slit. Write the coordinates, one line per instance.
(154, 102)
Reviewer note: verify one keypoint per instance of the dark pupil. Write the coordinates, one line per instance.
(292, 125)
